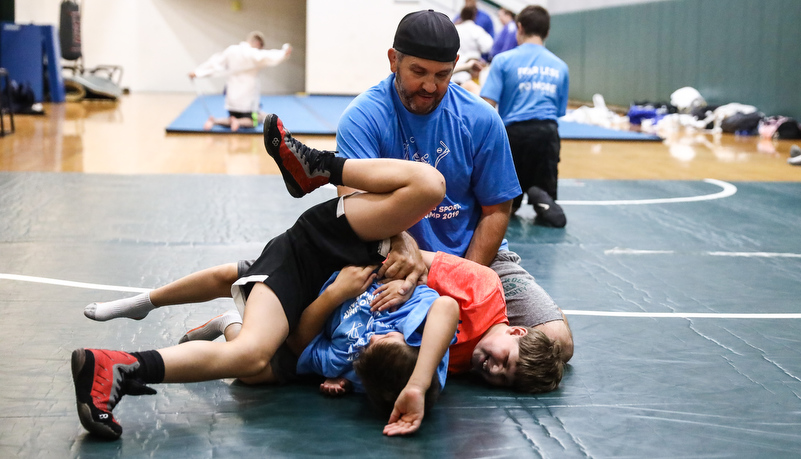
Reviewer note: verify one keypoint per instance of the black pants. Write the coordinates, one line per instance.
(535, 149)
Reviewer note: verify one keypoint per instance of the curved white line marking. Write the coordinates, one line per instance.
(728, 190)
(569, 312)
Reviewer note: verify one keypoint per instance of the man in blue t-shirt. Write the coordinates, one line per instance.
(529, 86)
(418, 115)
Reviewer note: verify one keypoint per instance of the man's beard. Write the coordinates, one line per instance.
(407, 98)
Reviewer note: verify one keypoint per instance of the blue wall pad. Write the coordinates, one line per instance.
(650, 376)
(570, 130)
(21, 54)
(300, 114)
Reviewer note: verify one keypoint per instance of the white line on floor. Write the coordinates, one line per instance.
(621, 251)
(45, 280)
(728, 190)
(569, 312)
(684, 315)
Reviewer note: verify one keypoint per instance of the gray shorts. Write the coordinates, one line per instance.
(527, 304)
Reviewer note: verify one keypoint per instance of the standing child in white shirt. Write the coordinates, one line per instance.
(240, 64)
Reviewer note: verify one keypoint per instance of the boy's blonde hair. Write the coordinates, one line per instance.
(540, 365)
(385, 368)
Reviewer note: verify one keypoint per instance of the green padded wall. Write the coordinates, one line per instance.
(743, 51)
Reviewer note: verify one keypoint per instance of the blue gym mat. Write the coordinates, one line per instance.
(302, 114)
(570, 130)
(305, 114)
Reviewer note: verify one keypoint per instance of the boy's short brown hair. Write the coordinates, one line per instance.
(534, 20)
(385, 368)
(539, 364)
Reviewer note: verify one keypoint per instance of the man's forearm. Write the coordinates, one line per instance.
(489, 234)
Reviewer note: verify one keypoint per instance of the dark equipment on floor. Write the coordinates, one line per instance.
(101, 82)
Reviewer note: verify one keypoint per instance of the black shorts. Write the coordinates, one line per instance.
(296, 264)
(535, 148)
(284, 363)
(248, 115)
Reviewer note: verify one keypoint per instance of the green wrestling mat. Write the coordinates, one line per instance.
(682, 297)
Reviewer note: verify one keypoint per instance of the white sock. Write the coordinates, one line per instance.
(135, 307)
(212, 329)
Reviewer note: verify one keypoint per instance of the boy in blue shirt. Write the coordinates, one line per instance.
(529, 86)
(353, 326)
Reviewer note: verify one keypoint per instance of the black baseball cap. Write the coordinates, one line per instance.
(427, 34)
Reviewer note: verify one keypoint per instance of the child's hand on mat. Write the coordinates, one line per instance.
(335, 387)
(408, 412)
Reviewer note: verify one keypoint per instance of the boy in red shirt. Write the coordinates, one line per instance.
(520, 357)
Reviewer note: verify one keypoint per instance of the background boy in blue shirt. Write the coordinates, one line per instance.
(529, 86)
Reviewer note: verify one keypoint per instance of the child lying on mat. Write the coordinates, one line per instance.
(521, 357)
(363, 348)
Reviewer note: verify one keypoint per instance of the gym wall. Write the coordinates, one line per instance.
(348, 42)
(744, 51)
(571, 6)
(158, 42)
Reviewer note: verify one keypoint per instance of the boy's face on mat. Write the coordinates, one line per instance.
(496, 354)
(395, 337)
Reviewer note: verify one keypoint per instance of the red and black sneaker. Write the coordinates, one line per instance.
(301, 166)
(101, 379)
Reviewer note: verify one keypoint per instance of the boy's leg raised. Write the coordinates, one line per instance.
(399, 192)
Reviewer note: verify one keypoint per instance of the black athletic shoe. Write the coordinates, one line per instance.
(101, 379)
(548, 211)
(301, 166)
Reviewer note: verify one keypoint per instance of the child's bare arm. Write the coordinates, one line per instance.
(428, 258)
(437, 335)
(350, 283)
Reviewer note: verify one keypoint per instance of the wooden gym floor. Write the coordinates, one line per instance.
(128, 137)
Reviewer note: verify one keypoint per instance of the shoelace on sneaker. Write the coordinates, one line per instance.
(311, 156)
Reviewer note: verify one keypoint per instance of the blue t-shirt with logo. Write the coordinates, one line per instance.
(528, 82)
(464, 138)
(349, 328)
